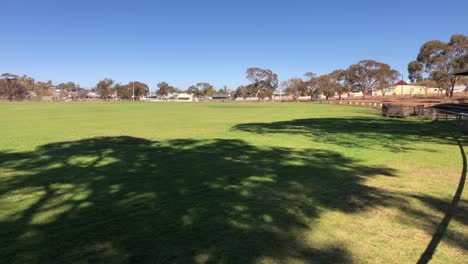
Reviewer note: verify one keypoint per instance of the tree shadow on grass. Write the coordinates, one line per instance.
(125, 199)
(391, 134)
(453, 210)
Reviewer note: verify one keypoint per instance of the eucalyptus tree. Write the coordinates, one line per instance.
(206, 89)
(296, 87)
(105, 88)
(138, 89)
(242, 92)
(263, 82)
(367, 74)
(440, 59)
(12, 87)
(327, 85)
(164, 89)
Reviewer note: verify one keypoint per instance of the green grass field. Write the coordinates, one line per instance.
(226, 183)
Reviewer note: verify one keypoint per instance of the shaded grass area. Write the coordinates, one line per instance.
(130, 199)
(393, 135)
(450, 212)
(214, 183)
(359, 132)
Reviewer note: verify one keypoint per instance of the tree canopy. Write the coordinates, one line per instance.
(296, 87)
(164, 89)
(205, 89)
(367, 74)
(104, 88)
(12, 86)
(439, 60)
(263, 83)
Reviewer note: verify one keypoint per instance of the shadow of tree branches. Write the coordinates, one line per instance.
(126, 199)
(391, 134)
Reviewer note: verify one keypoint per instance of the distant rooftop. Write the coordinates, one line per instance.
(401, 83)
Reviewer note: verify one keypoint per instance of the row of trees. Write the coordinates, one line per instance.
(14, 87)
(199, 90)
(437, 60)
(108, 88)
(263, 83)
(434, 67)
(364, 76)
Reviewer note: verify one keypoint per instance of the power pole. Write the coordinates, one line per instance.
(133, 91)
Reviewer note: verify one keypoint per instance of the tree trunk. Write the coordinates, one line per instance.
(451, 90)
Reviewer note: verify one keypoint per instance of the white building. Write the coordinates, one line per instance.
(184, 97)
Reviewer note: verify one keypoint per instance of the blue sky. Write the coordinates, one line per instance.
(185, 42)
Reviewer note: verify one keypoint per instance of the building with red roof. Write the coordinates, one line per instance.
(403, 88)
(401, 82)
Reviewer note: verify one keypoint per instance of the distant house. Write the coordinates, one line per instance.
(221, 97)
(92, 95)
(184, 97)
(403, 88)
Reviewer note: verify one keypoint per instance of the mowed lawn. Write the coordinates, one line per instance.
(226, 183)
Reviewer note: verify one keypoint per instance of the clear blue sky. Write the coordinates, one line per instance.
(185, 42)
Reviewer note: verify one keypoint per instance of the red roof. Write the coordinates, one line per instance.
(401, 83)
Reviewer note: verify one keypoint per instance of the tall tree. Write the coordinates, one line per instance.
(263, 82)
(206, 89)
(311, 84)
(296, 87)
(12, 87)
(105, 88)
(327, 85)
(387, 80)
(139, 89)
(342, 85)
(164, 89)
(440, 59)
(193, 90)
(123, 91)
(366, 75)
(242, 92)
